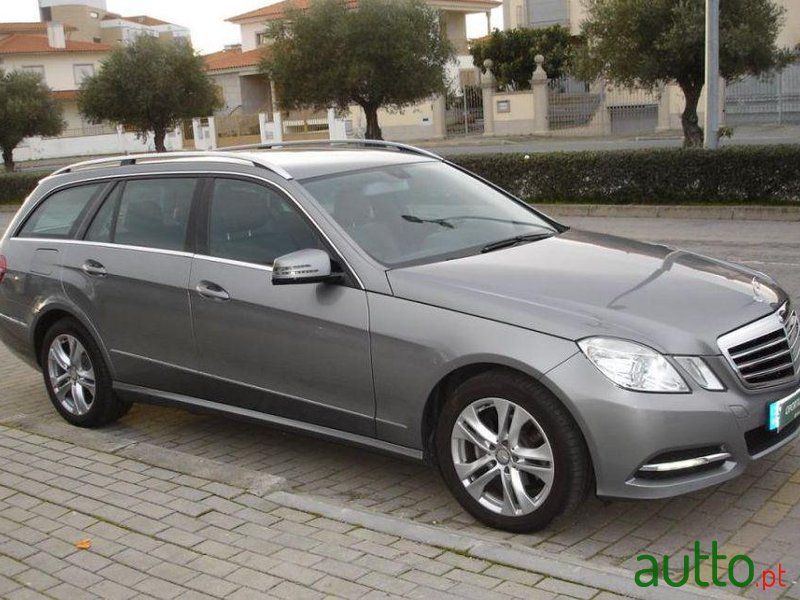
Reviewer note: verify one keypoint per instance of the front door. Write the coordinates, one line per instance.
(295, 351)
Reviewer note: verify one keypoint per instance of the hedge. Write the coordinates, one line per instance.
(765, 175)
(14, 187)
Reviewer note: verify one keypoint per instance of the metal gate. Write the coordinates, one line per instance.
(465, 111)
(772, 99)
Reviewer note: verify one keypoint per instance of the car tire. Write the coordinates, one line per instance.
(77, 378)
(521, 478)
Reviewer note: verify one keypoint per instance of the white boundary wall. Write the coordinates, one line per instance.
(36, 148)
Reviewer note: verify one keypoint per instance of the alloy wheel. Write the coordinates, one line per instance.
(71, 374)
(502, 457)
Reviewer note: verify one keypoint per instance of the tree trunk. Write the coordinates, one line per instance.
(8, 159)
(692, 132)
(373, 129)
(158, 137)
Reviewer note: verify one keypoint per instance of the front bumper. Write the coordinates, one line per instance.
(626, 431)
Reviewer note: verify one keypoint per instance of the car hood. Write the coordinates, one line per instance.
(579, 284)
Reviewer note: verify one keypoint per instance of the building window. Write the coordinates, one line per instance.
(81, 72)
(97, 40)
(262, 38)
(519, 22)
(39, 69)
(94, 14)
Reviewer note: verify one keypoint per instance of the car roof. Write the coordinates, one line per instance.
(290, 160)
(307, 164)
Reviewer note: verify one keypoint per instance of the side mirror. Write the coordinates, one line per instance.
(304, 266)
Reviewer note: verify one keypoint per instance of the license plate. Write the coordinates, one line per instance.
(783, 412)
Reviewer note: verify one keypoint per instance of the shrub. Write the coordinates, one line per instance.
(735, 175)
(14, 187)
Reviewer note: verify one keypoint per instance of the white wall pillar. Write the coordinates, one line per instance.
(488, 86)
(212, 133)
(337, 128)
(439, 117)
(540, 98)
(197, 132)
(664, 94)
(263, 128)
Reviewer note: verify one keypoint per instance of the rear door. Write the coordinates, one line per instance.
(297, 351)
(130, 275)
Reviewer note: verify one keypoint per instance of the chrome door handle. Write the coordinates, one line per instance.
(94, 268)
(211, 290)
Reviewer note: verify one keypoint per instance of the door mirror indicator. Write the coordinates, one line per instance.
(304, 266)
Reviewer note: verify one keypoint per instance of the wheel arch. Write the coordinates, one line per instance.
(52, 314)
(449, 382)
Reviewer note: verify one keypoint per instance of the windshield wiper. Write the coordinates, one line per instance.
(519, 239)
(445, 221)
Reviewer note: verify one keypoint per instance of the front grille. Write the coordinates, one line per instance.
(766, 352)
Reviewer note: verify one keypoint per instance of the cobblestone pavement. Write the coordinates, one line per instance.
(758, 513)
(156, 533)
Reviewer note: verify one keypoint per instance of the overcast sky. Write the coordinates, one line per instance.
(206, 18)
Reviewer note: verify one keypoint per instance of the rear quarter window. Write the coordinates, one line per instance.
(59, 215)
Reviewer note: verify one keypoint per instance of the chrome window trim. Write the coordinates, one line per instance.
(269, 182)
(109, 245)
(236, 263)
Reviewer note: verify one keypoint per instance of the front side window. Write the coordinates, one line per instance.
(153, 213)
(59, 215)
(250, 222)
(421, 212)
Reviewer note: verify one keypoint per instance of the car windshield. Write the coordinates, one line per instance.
(423, 212)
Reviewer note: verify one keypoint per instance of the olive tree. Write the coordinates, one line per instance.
(651, 42)
(384, 53)
(513, 53)
(149, 85)
(27, 108)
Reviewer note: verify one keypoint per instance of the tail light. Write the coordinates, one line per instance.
(3, 267)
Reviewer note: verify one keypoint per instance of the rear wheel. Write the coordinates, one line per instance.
(510, 452)
(77, 378)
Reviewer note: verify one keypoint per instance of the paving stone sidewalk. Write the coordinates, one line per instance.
(157, 533)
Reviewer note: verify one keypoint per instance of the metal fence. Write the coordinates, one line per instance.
(593, 108)
(772, 99)
(464, 111)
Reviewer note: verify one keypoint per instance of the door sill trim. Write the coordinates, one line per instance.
(151, 396)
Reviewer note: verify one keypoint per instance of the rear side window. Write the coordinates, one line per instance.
(153, 213)
(60, 214)
(253, 223)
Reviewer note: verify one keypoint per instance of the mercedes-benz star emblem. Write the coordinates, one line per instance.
(757, 295)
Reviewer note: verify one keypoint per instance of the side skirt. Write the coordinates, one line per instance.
(135, 393)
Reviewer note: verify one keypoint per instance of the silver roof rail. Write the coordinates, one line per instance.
(333, 143)
(159, 157)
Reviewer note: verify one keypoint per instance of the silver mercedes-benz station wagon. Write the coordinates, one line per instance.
(374, 293)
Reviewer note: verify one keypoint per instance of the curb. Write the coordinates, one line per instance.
(571, 569)
(254, 482)
(646, 211)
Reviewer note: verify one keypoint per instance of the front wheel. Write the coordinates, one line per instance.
(510, 452)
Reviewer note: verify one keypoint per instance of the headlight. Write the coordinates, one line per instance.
(697, 368)
(633, 366)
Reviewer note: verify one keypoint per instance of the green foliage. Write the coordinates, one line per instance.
(15, 187)
(387, 53)
(649, 42)
(150, 85)
(513, 52)
(742, 174)
(27, 108)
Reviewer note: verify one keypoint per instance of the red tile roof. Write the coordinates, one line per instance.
(65, 94)
(273, 12)
(233, 59)
(19, 43)
(29, 27)
(143, 19)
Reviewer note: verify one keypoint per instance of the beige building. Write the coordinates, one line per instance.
(92, 22)
(571, 13)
